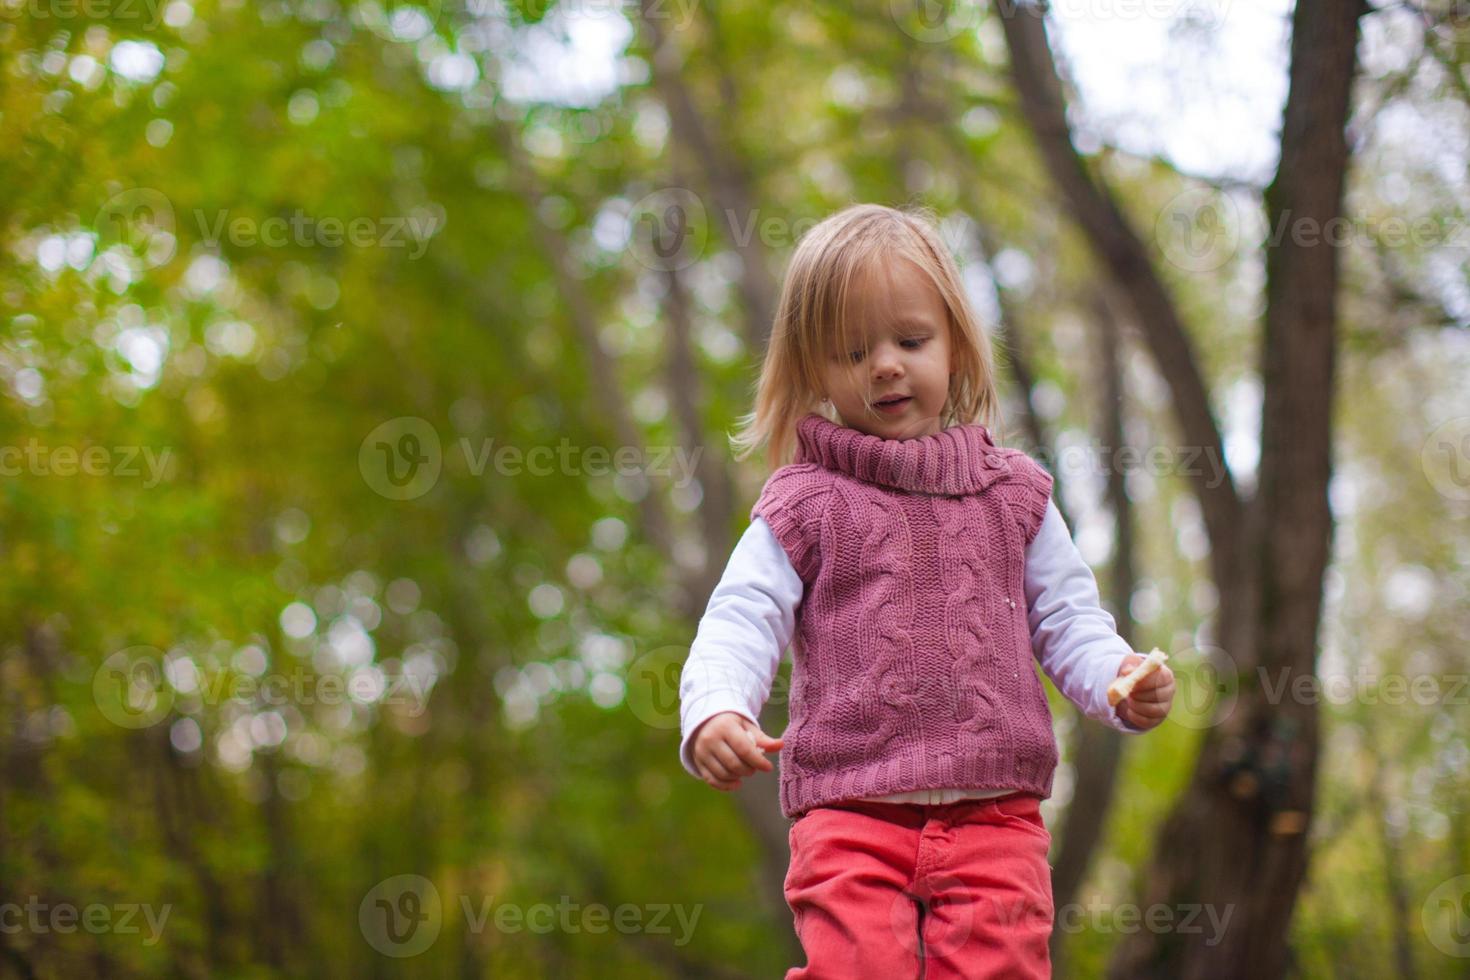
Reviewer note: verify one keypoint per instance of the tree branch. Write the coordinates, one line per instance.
(1118, 248)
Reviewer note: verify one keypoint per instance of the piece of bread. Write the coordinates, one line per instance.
(1123, 686)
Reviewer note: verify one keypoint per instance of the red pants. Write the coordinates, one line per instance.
(900, 890)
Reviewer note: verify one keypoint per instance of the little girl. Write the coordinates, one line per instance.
(918, 566)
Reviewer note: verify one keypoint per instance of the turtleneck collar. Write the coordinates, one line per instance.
(961, 459)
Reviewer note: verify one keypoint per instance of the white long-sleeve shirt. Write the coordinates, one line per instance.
(751, 617)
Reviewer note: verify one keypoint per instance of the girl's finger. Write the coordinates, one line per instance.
(1151, 711)
(712, 779)
(1137, 719)
(733, 765)
(752, 757)
(716, 768)
(765, 742)
(1155, 685)
(1153, 695)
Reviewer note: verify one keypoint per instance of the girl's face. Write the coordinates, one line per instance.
(906, 355)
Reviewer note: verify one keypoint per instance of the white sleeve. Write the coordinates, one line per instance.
(1073, 637)
(746, 627)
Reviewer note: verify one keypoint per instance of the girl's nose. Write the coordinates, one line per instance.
(885, 364)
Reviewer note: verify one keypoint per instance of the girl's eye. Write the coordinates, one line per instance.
(912, 343)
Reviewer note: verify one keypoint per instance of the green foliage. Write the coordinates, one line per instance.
(240, 238)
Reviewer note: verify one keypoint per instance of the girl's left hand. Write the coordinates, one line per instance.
(1150, 701)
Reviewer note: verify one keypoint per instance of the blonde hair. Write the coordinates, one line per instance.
(811, 323)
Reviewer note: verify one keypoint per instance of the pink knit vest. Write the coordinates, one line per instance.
(913, 665)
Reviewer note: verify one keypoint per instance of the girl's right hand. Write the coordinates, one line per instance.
(728, 747)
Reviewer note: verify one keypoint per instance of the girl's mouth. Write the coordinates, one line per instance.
(893, 405)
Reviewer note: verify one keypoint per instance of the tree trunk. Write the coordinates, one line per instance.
(725, 175)
(758, 798)
(608, 395)
(1238, 838)
(1393, 872)
(1236, 842)
(1098, 749)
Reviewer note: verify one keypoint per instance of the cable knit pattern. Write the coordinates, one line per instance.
(913, 664)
